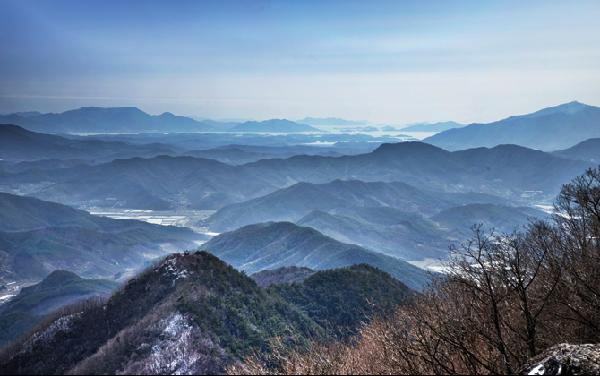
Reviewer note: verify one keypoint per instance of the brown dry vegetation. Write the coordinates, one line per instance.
(506, 298)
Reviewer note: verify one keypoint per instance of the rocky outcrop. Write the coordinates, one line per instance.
(565, 359)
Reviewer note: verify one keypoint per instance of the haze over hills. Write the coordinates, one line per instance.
(548, 129)
(37, 237)
(17, 143)
(276, 244)
(588, 150)
(502, 219)
(107, 120)
(294, 210)
(194, 314)
(385, 217)
(90, 120)
(330, 121)
(157, 183)
(432, 127)
(59, 288)
(275, 142)
(296, 201)
(8, 167)
(426, 166)
(299, 187)
(411, 236)
(273, 126)
(353, 200)
(242, 154)
(184, 182)
(406, 236)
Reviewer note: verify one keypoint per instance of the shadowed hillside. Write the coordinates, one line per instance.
(37, 237)
(58, 289)
(193, 313)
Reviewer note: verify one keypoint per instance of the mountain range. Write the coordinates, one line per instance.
(306, 236)
(37, 237)
(402, 235)
(273, 126)
(107, 120)
(276, 244)
(165, 182)
(343, 143)
(156, 183)
(90, 120)
(548, 129)
(294, 202)
(393, 218)
(242, 154)
(502, 219)
(551, 128)
(17, 143)
(432, 127)
(329, 121)
(588, 150)
(34, 303)
(192, 313)
(505, 170)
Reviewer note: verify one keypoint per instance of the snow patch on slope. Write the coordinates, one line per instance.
(46, 335)
(173, 269)
(180, 349)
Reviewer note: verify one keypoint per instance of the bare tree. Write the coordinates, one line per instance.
(577, 221)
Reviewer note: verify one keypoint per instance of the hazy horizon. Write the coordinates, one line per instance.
(392, 63)
(242, 119)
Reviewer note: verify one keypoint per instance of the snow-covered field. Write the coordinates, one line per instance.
(10, 290)
(179, 218)
(546, 208)
(434, 265)
(4, 298)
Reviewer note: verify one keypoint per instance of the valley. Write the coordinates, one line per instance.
(333, 187)
(223, 241)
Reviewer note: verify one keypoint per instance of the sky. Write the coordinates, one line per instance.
(388, 62)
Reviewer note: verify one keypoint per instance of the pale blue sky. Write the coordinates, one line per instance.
(388, 62)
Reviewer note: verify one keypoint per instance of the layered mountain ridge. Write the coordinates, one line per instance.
(276, 244)
(37, 237)
(192, 313)
(548, 129)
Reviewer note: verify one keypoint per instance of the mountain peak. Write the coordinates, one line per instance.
(59, 277)
(406, 147)
(565, 108)
(12, 128)
(93, 109)
(573, 105)
(551, 128)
